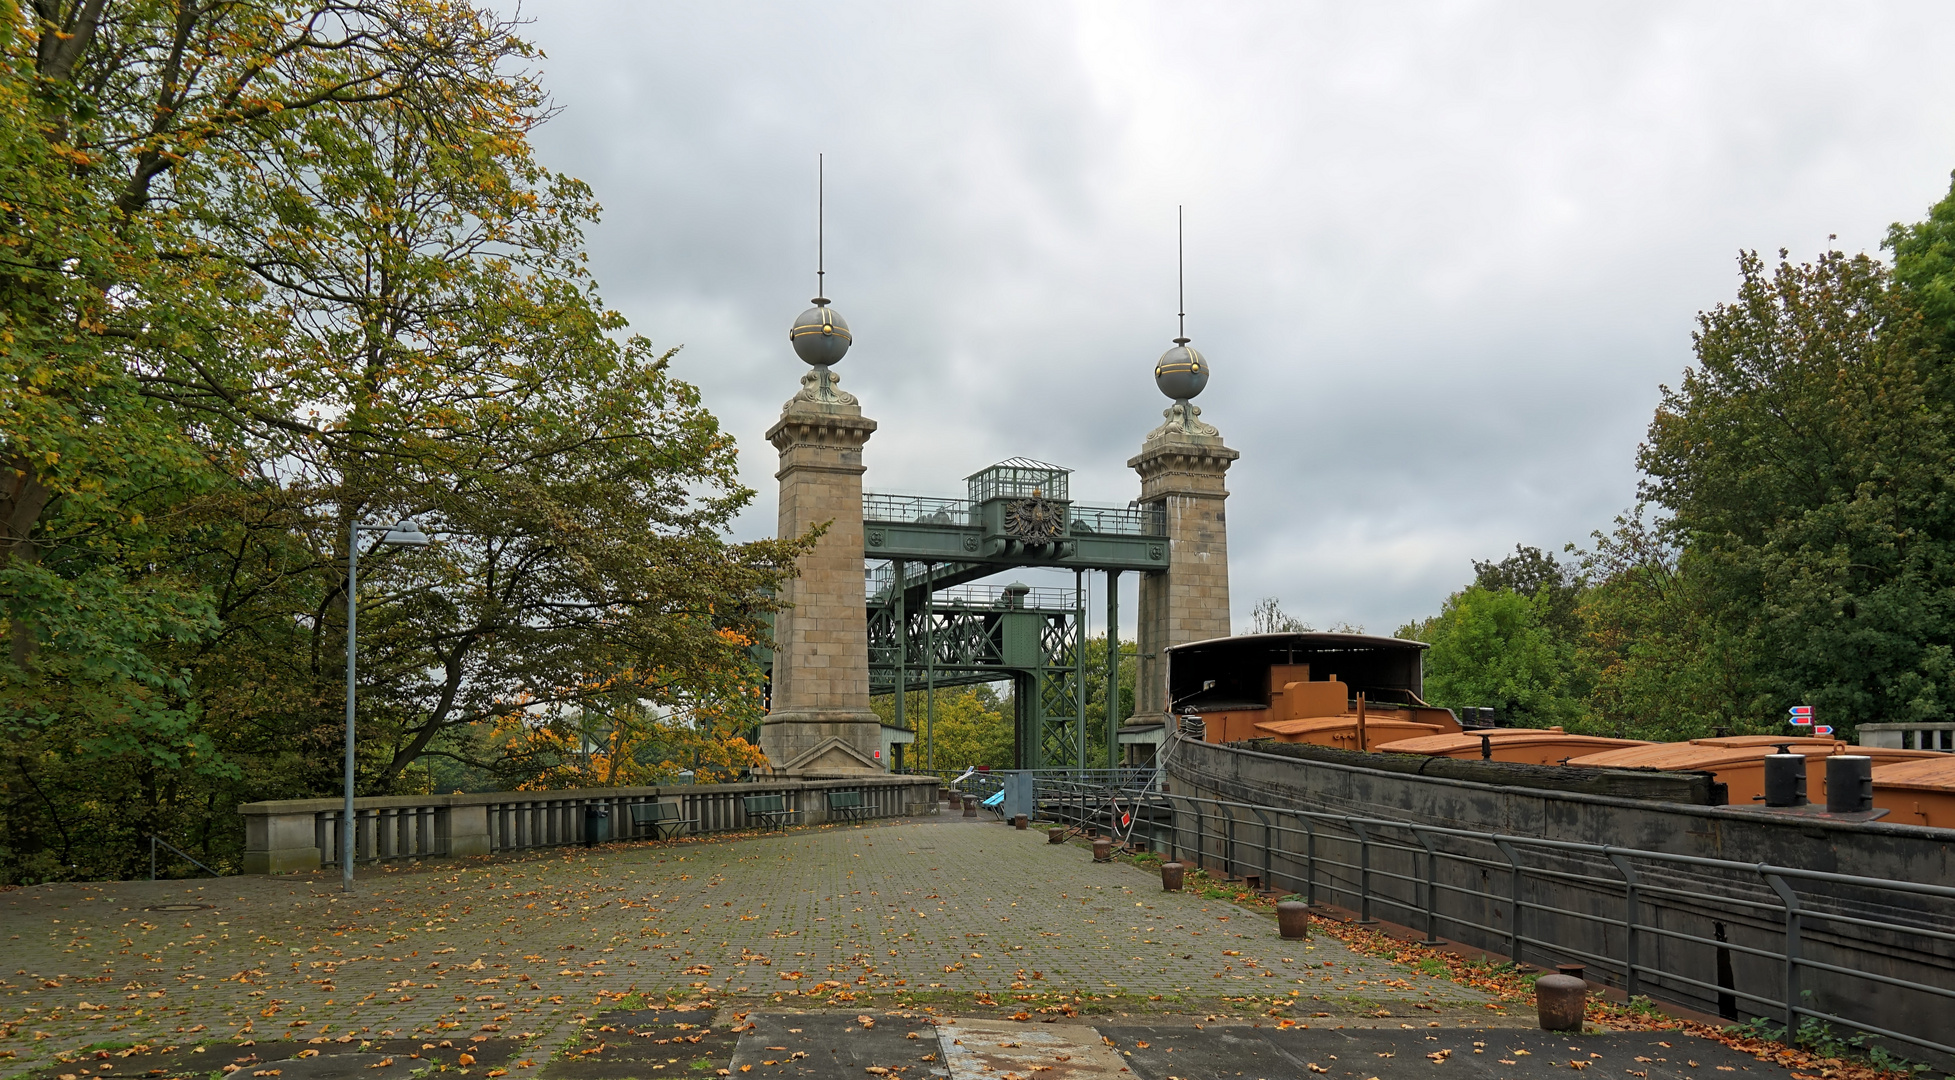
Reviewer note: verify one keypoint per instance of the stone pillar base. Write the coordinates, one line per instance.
(822, 741)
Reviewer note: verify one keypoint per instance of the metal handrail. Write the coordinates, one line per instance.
(1084, 518)
(917, 509)
(155, 841)
(1277, 830)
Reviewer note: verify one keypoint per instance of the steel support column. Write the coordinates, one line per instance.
(929, 667)
(1114, 713)
(1079, 669)
(903, 650)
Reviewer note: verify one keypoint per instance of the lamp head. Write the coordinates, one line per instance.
(406, 533)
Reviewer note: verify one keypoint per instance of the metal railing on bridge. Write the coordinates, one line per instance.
(1636, 917)
(1134, 519)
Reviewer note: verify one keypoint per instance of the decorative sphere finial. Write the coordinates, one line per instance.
(1181, 372)
(820, 336)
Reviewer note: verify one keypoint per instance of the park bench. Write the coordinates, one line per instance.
(771, 810)
(847, 805)
(661, 817)
(996, 803)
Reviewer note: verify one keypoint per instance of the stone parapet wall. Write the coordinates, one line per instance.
(293, 835)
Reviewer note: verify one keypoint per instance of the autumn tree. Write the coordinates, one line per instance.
(277, 268)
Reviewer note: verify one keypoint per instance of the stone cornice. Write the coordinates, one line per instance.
(1182, 466)
(1179, 456)
(844, 427)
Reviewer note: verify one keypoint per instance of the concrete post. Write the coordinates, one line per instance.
(821, 721)
(1182, 466)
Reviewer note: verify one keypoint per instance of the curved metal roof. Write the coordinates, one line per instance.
(1313, 637)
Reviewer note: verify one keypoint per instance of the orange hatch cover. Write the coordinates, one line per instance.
(1533, 746)
(1738, 762)
(1917, 792)
(1342, 731)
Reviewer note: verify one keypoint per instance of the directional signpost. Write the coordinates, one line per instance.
(1802, 717)
(1822, 729)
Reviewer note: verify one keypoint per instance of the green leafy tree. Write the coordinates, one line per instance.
(1096, 695)
(1924, 268)
(1492, 647)
(1531, 572)
(1804, 465)
(1655, 664)
(973, 726)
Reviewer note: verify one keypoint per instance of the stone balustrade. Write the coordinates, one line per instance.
(293, 835)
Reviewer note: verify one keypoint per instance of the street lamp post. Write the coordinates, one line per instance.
(405, 533)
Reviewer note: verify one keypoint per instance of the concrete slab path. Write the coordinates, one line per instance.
(926, 912)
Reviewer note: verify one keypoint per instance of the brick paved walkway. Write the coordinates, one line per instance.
(924, 911)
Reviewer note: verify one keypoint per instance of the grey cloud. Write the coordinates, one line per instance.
(1440, 255)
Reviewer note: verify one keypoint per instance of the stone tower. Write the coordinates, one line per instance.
(1182, 464)
(820, 720)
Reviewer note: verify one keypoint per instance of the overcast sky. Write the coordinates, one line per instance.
(1441, 256)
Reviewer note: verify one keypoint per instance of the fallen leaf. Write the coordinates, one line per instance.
(308, 1053)
(465, 1059)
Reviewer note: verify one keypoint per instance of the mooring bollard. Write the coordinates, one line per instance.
(970, 806)
(1019, 821)
(1103, 849)
(1293, 919)
(1055, 836)
(1171, 873)
(1561, 1000)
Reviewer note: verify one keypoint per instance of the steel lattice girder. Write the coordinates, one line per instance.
(965, 644)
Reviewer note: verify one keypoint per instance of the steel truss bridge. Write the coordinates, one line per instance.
(930, 627)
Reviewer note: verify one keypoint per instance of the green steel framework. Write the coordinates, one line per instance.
(929, 628)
